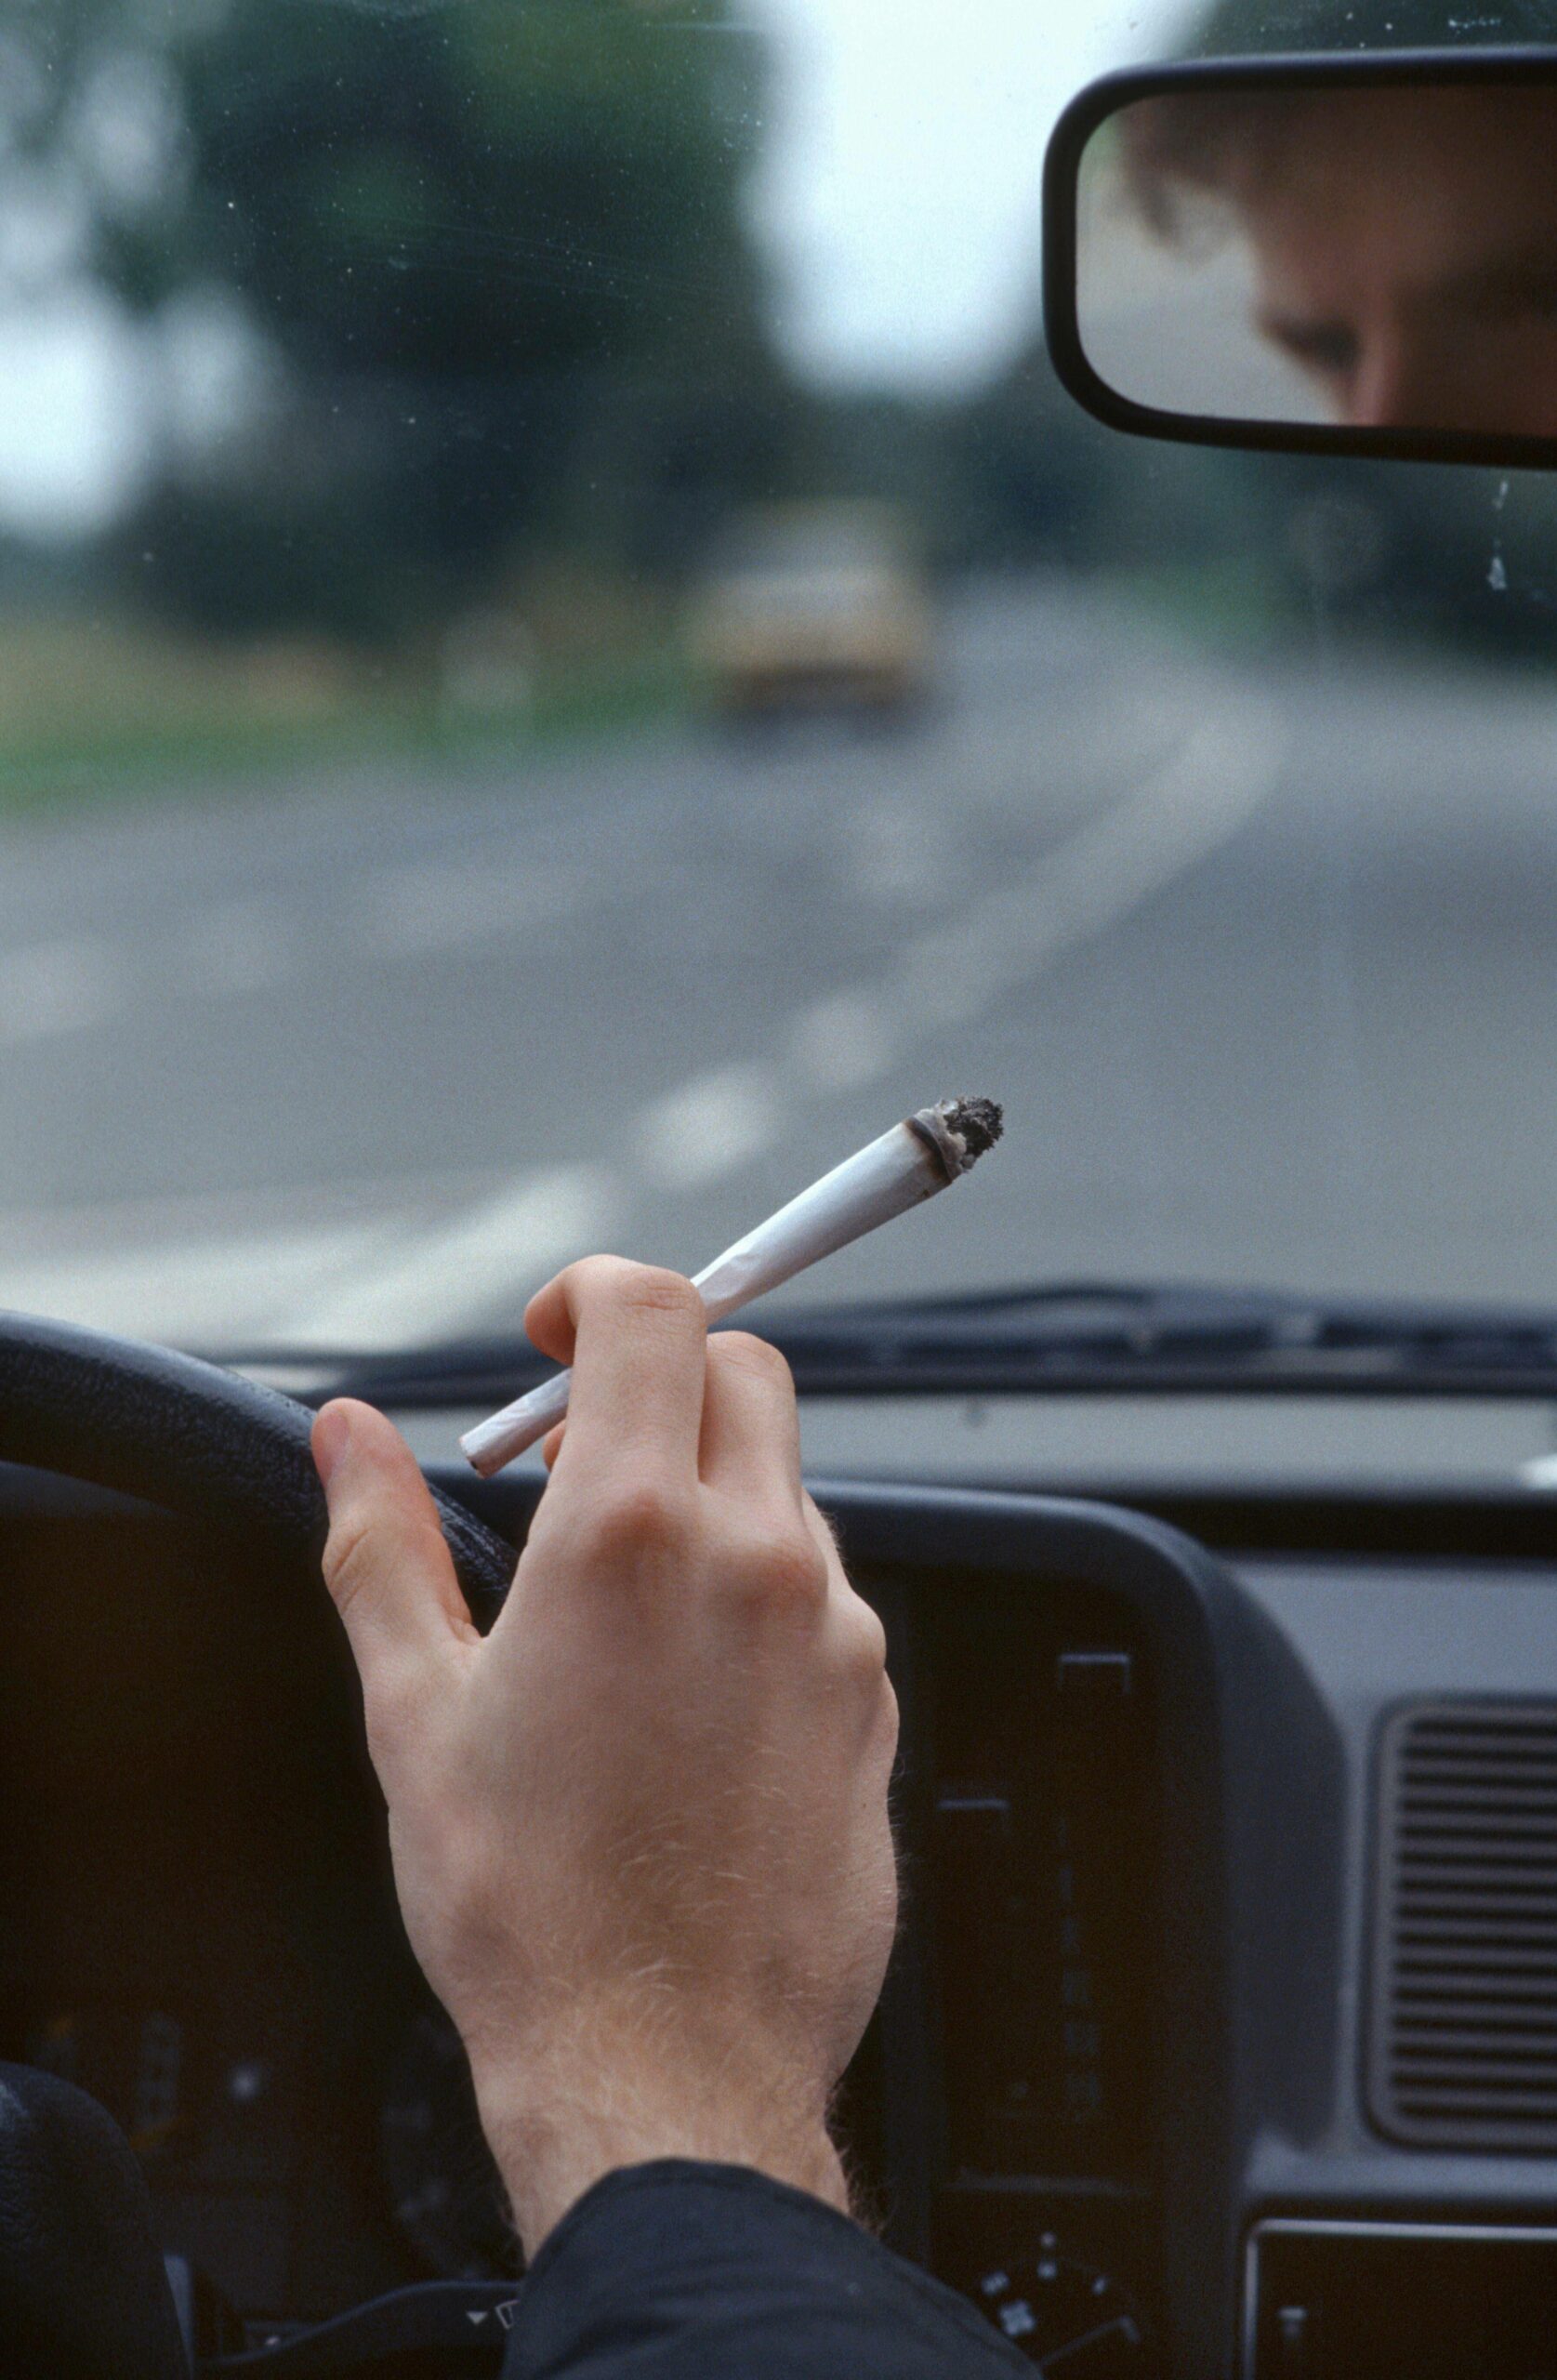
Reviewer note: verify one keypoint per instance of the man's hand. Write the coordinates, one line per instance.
(640, 1831)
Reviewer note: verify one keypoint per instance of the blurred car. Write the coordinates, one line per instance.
(815, 606)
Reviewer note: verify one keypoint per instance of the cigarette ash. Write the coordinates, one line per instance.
(958, 1131)
(978, 1124)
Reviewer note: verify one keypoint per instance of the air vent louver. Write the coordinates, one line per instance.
(1463, 2050)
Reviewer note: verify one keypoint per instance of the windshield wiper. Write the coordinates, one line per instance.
(1071, 1339)
(1084, 1338)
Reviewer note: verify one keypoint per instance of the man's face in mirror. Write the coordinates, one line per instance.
(1406, 254)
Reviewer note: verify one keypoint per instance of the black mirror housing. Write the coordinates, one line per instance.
(1351, 254)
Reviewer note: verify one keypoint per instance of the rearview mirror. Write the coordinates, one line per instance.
(1346, 254)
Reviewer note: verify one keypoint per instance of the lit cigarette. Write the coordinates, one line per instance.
(925, 1152)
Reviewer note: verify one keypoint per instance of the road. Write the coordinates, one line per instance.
(1261, 961)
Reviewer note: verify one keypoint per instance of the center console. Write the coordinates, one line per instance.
(1030, 1821)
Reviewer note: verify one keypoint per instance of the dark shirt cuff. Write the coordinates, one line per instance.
(679, 2269)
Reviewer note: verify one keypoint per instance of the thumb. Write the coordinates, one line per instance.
(385, 1562)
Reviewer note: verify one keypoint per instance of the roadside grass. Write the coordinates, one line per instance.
(1232, 603)
(93, 713)
(1251, 610)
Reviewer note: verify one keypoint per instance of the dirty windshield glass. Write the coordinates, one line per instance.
(563, 662)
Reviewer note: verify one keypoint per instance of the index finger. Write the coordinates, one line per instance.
(637, 1339)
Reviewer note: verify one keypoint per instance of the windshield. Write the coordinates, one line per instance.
(563, 662)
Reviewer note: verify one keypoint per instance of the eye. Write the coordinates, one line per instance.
(1328, 349)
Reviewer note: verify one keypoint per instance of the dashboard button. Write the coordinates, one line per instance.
(1094, 1680)
(1066, 2316)
(1112, 2353)
(1294, 2337)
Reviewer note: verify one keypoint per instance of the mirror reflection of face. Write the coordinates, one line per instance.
(1405, 250)
(1403, 244)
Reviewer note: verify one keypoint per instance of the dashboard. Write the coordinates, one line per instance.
(1221, 2036)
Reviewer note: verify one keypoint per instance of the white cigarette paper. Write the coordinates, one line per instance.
(925, 1152)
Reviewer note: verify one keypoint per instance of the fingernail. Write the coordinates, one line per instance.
(332, 1436)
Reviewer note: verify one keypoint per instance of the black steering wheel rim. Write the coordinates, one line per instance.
(200, 1441)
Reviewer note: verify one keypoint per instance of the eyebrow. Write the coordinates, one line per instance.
(1330, 342)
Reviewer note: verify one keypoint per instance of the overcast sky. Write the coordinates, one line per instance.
(901, 187)
(899, 197)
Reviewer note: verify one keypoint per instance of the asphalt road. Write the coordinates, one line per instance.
(1261, 961)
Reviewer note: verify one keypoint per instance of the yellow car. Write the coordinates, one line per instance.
(815, 606)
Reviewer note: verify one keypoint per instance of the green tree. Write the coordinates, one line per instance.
(484, 240)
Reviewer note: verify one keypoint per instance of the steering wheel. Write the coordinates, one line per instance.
(79, 2274)
(202, 1442)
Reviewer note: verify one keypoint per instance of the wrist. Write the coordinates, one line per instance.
(552, 2144)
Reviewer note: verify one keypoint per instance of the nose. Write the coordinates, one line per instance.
(1402, 383)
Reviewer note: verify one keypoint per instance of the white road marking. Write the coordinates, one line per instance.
(840, 1044)
(1086, 882)
(193, 1292)
(387, 1281)
(241, 946)
(379, 1280)
(54, 988)
(1115, 862)
(436, 905)
(899, 853)
(434, 1284)
(708, 1127)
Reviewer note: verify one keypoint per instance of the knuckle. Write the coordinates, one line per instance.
(652, 1289)
(818, 1521)
(614, 1286)
(884, 1722)
(867, 1643)
(743, 1351)
(782, 1569)
(589, 1279)
(638, 1520)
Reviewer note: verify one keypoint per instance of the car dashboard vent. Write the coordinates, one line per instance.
(1464, 2048)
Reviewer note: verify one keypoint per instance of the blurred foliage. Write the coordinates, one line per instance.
(101, 712)
(1320, 548)
(477, 244)
(506, 333)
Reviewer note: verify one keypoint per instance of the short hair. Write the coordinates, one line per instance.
(1186, 144)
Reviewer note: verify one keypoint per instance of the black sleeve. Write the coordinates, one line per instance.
(684, 2271)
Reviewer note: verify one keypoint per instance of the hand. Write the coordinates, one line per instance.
(640, 1831)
